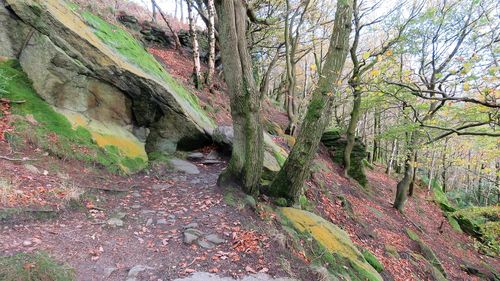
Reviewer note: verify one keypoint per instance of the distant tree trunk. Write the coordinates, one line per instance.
(391, 158)
(497, 180)
(431, 170)
(175, 11)
(443, 174)
(414, 176)
(245, 166)
(292, 38)
(196, 51)
(468, 182)
(154, 11)
(376, 131)
(290, 72)
(182, 11)
(289, 182)
(404, 184)
(211, 42)
(351, 129)
(176, 37)
(266, 78)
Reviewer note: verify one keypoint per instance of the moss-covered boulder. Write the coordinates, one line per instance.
(336, 144)
(67, 134)
(441, 199)
(335, 241)
(426, 251)
(483, 223)
(274, 155)
(81, 63)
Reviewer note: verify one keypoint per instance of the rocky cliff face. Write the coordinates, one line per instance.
(101, 78)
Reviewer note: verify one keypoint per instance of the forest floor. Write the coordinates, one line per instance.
(124, 224)
(138, 221)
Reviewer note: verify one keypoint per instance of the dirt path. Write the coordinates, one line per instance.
(160, 229)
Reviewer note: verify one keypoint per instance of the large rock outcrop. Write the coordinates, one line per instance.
(274, 155)
(336, 145)
(100, 77)
(348, 259)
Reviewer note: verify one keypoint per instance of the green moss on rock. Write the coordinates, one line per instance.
(335, 242)
(336, 145)
(426, 251)
(66, 141)
(132, 51)
(483, 223)
(373, 261)
(441, 199)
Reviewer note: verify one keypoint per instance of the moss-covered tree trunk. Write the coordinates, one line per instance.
(290, 180)
(351, 129)
(245, 166)
(414, 176)
(404, 184)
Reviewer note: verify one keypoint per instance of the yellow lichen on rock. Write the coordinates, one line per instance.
(331, 237)
(108, 134)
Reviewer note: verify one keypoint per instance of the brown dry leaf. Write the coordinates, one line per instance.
(250, 269)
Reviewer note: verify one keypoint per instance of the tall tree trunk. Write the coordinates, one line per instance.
(445, 168)
(175, 11)
(497, 180)
(289, 182)
(404, 184)
(391, 158)
(182, 11)
(431, 170)
(351, 130)
(211, 42)
(245, 166)
(414, 176)
(376, 131)
(196, 50)
(468, 181)
(290, 73)
(154, 12)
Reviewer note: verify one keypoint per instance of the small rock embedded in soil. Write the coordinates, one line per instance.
(189, 238)
(134, 271)
(32, 168)
(213, 155)
(191, 225)
(195, 156)
(205, 244)
(161, 186)
(115, 222)
(214, 238)
(108, 271)
(191, 235)
(184, 166)
(210, 162)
